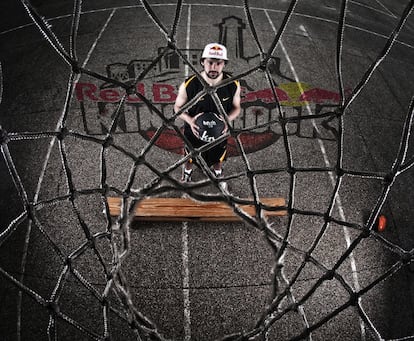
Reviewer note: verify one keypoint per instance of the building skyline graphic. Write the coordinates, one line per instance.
(230, 33)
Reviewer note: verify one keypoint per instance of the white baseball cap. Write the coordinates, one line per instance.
(215, 51)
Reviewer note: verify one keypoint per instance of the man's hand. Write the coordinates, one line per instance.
(226, 127)
(193, 125)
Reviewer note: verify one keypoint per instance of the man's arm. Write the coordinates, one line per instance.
(179, 102)
(236, 105)
(235, 111)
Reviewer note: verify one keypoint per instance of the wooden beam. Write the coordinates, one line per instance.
(186, 209)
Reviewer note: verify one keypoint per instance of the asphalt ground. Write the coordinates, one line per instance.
(203, 281)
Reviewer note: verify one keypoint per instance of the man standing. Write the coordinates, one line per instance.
(213, 60)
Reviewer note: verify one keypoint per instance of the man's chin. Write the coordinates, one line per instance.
(212, 75)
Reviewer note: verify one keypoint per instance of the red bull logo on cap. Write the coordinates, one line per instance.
(215, 50)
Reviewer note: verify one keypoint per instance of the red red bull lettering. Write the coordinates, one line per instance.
(161, 93)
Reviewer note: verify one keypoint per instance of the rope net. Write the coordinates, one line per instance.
(111, 246)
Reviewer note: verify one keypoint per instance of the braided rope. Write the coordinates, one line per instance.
(118, 231)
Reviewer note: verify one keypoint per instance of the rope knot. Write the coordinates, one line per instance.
(4, 136)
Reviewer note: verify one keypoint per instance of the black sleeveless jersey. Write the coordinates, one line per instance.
(206, 104)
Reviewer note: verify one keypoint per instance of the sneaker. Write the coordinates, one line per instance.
(186, 177)
(222, 184)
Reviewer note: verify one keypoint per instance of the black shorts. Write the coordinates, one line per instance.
(211, 156)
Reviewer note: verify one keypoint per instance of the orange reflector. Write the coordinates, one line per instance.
(382, 223)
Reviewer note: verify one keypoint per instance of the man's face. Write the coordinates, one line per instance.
(213, 67)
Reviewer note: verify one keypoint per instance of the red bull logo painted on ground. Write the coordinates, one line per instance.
(99, 103)
(98, 106)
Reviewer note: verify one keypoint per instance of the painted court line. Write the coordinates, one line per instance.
(184, 229)
(314, 17)
(39, 185)
(387, 13)
(386, 8)
(186, 282)
(327, 163)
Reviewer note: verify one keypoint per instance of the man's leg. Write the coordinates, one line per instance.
(218, 154)
(188, 166)
(187, 172)
(187, 169)
(218, 169)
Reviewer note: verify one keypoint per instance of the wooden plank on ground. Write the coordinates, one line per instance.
(186, 209)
